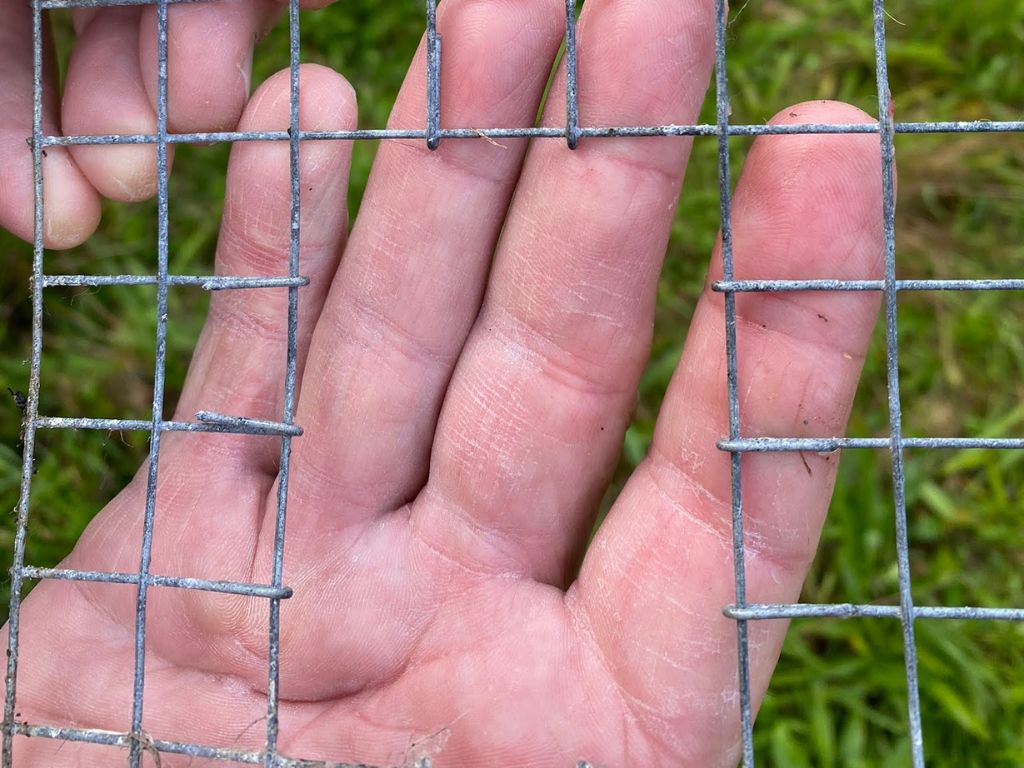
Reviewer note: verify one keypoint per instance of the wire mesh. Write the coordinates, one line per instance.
(136, 741)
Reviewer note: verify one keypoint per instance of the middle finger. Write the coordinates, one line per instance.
(412, 276)
(535, 415)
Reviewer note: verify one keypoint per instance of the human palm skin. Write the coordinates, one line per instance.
(469, 359)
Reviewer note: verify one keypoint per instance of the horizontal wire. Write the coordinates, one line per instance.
(206, 282)
(53, 4)
(212, 137)
(779, 286)
(226, 282)
(831, 444)
(851, 611)
(246, 425)
(213, 422)
(176, 582)
(125, 740)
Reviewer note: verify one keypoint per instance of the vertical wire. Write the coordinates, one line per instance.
(886, 133)
(433, 78)
(732, 365)
(572, 100)
(274, 629)
(31, 414)
(156, 425)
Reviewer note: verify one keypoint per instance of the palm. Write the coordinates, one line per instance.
(457, 441)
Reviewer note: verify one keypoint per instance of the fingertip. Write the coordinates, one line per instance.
(256, 206)
(327, 101)
(210, 50)
(824, 111)
(104, 95)
(330, 99)
(71, 210)
(123, 174)
(71, 207)
(848, 154)
(840, 113)
(821, 185)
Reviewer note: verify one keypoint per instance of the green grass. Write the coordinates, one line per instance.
(837, 698)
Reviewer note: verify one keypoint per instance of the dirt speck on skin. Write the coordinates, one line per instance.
(806, 465)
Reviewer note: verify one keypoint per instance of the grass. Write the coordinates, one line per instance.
(837, 698)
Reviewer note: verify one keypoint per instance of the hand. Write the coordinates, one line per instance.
(458, 440)
(110, 87)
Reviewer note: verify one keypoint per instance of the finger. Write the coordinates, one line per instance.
(71, 209)
(655, 580)
(413, 273)
(209, 60)
(238, 364)
(103, 95)
(237, 369)
(534, 418)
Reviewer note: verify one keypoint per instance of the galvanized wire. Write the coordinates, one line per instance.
(722, 110)
(135, 750)
(136, 741)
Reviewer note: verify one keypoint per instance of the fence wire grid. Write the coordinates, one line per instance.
(137, 742)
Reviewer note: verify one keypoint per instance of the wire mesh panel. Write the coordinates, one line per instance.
(136, 741)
